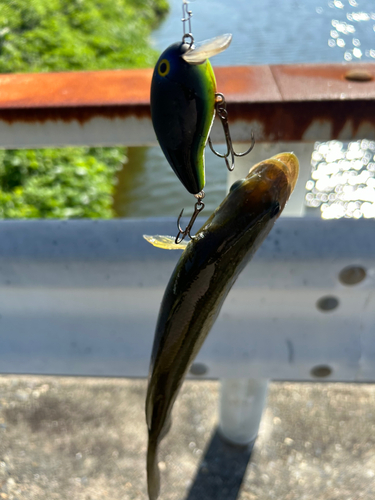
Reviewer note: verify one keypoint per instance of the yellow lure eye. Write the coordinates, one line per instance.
(164, 67)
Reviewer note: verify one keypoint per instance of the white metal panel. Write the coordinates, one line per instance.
(98, 131)
(82, 297)
(134, 131)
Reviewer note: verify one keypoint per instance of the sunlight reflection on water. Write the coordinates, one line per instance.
(361, 24)
(342, 180)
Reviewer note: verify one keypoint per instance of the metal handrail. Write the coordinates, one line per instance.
(305, 102)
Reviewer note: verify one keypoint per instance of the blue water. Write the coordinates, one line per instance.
(265, 32)
(278, 31)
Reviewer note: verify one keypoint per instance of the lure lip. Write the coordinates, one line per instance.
(199, 53)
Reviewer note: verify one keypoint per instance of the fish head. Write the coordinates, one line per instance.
(263, 193)
(277, 178)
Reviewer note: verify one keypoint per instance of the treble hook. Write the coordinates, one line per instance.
(221, 109)
(198, 207)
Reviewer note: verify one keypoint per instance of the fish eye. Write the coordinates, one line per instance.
(275, 209)
(236, 184)
(164, 67)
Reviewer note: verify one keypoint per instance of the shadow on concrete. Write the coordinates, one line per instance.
(221, 471)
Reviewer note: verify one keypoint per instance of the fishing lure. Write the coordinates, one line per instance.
(183, 103)
(206, 271)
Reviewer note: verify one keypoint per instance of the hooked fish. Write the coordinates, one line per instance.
(183, 91)
(203, 277)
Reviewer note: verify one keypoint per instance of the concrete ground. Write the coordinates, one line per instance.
(85, 439)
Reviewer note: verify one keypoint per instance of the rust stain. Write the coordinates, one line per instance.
(281, 121)
(247, 83)
(132, 87)
(306, 82)
(81, 88)
(286, 100)
(289, 121)
(326, 71)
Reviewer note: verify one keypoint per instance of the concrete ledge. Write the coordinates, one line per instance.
(86, 439)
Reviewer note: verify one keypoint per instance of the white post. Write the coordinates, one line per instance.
(241, 407)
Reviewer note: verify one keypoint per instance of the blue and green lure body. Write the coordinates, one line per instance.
(183, 93)
(182, 112)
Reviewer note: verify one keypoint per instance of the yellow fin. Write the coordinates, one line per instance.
(165, 242)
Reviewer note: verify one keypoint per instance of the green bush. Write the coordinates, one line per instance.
(60, 35)
(58, 183)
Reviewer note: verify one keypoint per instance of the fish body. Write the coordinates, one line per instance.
(203, 276)
(182, 111)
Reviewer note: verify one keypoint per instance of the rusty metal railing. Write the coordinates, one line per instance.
(305, 102)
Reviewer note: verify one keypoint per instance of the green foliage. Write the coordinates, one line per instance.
(58, 183)
(59, 35)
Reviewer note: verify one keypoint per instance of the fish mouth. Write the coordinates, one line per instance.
(279, 175)
(290, 165)
(199, 53)
(287, 162)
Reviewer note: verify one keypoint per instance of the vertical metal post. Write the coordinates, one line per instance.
(241, 407)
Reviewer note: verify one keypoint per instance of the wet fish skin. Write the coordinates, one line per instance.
(199, 284)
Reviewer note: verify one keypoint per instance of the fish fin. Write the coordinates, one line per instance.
(165, 242)
(153, 473)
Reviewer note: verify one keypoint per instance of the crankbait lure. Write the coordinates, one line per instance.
(206, 271)
(183, 103)
(182, 110)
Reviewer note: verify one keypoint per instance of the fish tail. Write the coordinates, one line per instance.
(153, 474)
